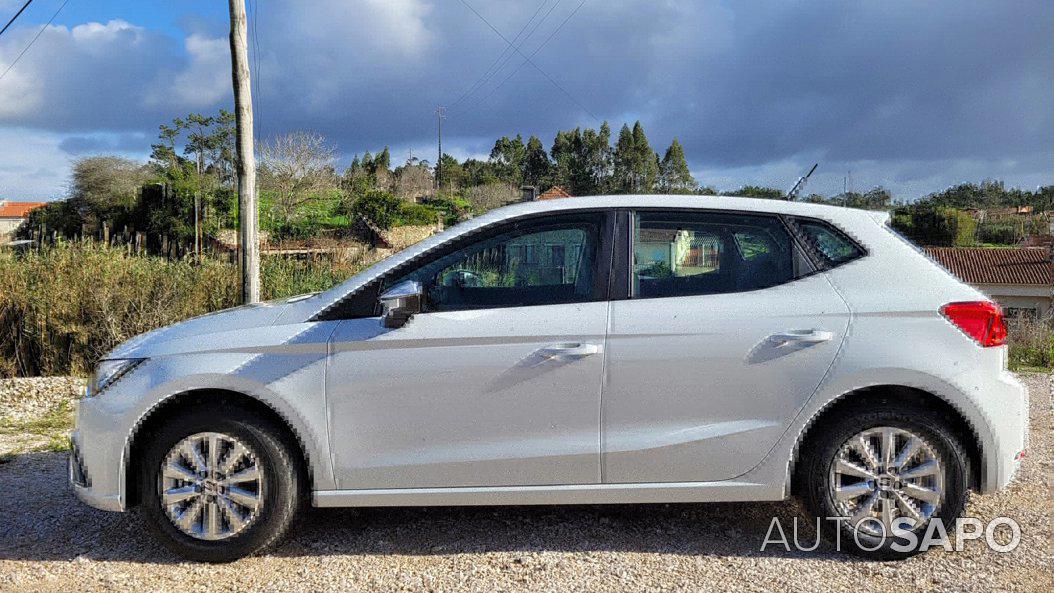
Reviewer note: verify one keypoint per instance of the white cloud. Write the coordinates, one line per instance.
(204, 81)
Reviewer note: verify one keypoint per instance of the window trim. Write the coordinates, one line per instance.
(601, 264)
(623, 290)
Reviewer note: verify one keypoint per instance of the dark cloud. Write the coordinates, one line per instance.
(902, 92)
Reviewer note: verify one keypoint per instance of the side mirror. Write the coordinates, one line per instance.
(400, 302)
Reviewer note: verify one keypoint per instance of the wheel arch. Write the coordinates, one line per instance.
(958, 422)
(164, 409)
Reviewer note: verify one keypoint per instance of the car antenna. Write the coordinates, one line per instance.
(801, 184)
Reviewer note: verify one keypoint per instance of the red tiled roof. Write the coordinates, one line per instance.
(18, 209)
(555, 192)
(997, 266)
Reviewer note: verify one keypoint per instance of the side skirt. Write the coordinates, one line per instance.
(561, 494)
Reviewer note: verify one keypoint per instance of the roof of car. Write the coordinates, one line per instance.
(674, 201)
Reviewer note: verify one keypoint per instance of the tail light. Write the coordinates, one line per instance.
(981, 320)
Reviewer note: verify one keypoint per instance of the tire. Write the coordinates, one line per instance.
(252, 513)
(818, 474)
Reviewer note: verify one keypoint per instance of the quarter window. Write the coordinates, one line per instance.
(680, 254)
(832, 244)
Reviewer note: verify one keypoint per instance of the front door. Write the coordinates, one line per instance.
(497, 382)
(727, 332)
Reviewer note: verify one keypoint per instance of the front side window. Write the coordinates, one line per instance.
(689, 253)
(542, 265)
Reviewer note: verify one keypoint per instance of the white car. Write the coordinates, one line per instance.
(614, 349)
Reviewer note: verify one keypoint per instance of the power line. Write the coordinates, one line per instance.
(491, 71)
(534, 53)
(509, 57)
(530, 61)
(17, 14)
(34, 40)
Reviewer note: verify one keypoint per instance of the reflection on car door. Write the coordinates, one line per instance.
(496, 383)
(726, 335)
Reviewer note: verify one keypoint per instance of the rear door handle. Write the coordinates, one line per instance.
(569, 350)
(812, 336)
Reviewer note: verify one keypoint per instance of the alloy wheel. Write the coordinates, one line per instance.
(211, 486)
(882, 474)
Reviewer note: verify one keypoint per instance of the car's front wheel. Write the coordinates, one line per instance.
(219, 483)
(879, 469)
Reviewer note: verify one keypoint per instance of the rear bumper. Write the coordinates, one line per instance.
(1005, 407)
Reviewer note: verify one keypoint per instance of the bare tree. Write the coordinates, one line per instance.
(297, 168)
(413, 180)
(107, 181)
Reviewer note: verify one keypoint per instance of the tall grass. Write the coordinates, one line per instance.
(63, 307)
(1032, 344)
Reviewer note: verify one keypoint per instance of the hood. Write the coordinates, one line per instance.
(238, 318)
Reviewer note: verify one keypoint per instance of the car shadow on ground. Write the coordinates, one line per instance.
(42, 520)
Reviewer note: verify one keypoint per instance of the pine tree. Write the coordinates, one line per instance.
(535, 163)
(674, 176)
(624, 161)
(646, 170)
(383, 161)
(596, 157)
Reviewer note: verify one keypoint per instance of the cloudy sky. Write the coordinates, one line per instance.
(914, 96)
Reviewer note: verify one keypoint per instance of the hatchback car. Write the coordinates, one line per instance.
(620, 349)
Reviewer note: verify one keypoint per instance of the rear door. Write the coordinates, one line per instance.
(726, 332)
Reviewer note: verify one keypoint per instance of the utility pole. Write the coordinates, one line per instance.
(197, 211)
(243, 112)
(440, 116)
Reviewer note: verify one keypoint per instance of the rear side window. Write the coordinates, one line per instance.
(698, 253)
(831, 244)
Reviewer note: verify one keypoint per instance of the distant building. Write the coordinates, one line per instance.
(12, 214)
(1020, 279)
(554, 193)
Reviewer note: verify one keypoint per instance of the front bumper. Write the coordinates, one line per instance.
(97, 456)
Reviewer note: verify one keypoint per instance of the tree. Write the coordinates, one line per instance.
(624, 159)
(596, 160)
(636, 166)
(107, 182)
(536, 163)
(757, 191)
(674, 176)
(413, 180)
(508, 156)
(454, 174)
(295, 169)
(647, 161)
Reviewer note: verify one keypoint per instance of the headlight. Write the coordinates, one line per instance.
(108, 372)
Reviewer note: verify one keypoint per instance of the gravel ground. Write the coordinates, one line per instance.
(50, 542)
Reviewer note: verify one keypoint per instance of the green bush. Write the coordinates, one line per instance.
(411, 214)
(380, 207)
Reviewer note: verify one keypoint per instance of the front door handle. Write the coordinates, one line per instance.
(812, 336)
(574, 349)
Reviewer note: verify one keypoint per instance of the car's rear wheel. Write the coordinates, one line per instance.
(870, 470)
(219, 483)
